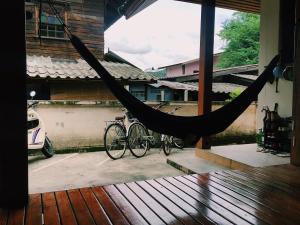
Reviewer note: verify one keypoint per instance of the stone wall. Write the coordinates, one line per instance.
(73, 124)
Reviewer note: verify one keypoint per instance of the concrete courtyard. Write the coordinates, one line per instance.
(75, 170)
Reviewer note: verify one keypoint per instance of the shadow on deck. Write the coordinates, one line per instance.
(267, 195)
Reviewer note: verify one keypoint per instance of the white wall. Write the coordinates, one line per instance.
(269, 36)
(81, 124)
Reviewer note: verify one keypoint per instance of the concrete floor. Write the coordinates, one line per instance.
(248, 155)
(67, 171)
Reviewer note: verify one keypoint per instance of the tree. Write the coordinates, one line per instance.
(241, 34)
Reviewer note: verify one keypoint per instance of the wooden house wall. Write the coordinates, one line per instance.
(80, 90)
(84, 17)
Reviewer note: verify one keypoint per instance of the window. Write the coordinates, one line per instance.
(139, 94)
(50, 26)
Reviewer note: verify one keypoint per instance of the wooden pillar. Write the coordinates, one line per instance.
(13, 119)
(206, 62)
(295, 156)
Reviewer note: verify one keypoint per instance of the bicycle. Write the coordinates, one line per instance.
(124, 132)
(169, 141)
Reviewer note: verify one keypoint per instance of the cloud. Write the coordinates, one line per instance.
(130, 47)
(165, 33)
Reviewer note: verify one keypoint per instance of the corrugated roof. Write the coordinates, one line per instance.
(45, 67)
(175, 85)
(159, 73)
(222, 87)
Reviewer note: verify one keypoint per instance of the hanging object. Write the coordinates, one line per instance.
(189, 128)
(283, 72)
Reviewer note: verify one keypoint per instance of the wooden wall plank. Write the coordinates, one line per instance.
(85, 19)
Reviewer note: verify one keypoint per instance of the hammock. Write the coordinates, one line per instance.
(189, 128)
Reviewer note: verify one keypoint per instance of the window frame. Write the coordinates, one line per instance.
(63, 13)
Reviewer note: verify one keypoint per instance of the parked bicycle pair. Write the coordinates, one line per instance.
(127, 132)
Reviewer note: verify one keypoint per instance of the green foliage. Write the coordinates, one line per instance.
(234, 94)
(241, 34)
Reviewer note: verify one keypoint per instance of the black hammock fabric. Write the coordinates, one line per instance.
(189, 128)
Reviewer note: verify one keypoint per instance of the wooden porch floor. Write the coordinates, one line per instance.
(269, 195)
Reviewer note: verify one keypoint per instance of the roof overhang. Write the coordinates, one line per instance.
(252, 6)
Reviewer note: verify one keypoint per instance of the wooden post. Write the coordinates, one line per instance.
(186, 96)
(206, 62)
(295, 156)
(13, 118)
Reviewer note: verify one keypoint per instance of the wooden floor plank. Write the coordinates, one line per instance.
(222, 202)
(34, 210)
(281, 175)
(180, 214)
(269, 194)
(65, 210)
(110, 208)
(16, 217)
(3, 216)
(129, 211)
(209, 203)
(268, 181)
(51, 215)
(259, 197)
(198, 205)
(246, 204)
(163, 213)
(180, 203)
(95, 208)
(260, 184)
(81, 211)
(139, 205)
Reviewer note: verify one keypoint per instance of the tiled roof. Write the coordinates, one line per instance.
(45, 67)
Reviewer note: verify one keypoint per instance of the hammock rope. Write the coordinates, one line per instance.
(189, 128)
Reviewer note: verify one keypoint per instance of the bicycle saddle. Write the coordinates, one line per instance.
(120, 118)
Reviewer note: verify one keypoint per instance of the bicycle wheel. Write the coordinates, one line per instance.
(157, 139)
(166, 145)
(178, 143)
(48, 150)
(138, 141)
(115, 141)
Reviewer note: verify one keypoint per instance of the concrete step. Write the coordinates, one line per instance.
(187, 162)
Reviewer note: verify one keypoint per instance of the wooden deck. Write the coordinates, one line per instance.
(268, 195)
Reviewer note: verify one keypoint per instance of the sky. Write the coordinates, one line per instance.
(165, 33)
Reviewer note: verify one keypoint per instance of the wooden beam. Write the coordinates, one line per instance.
(206, 62)
(295, 156)
(251, 6)
(13, 118)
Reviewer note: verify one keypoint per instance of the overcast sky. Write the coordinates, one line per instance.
(165, 33)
